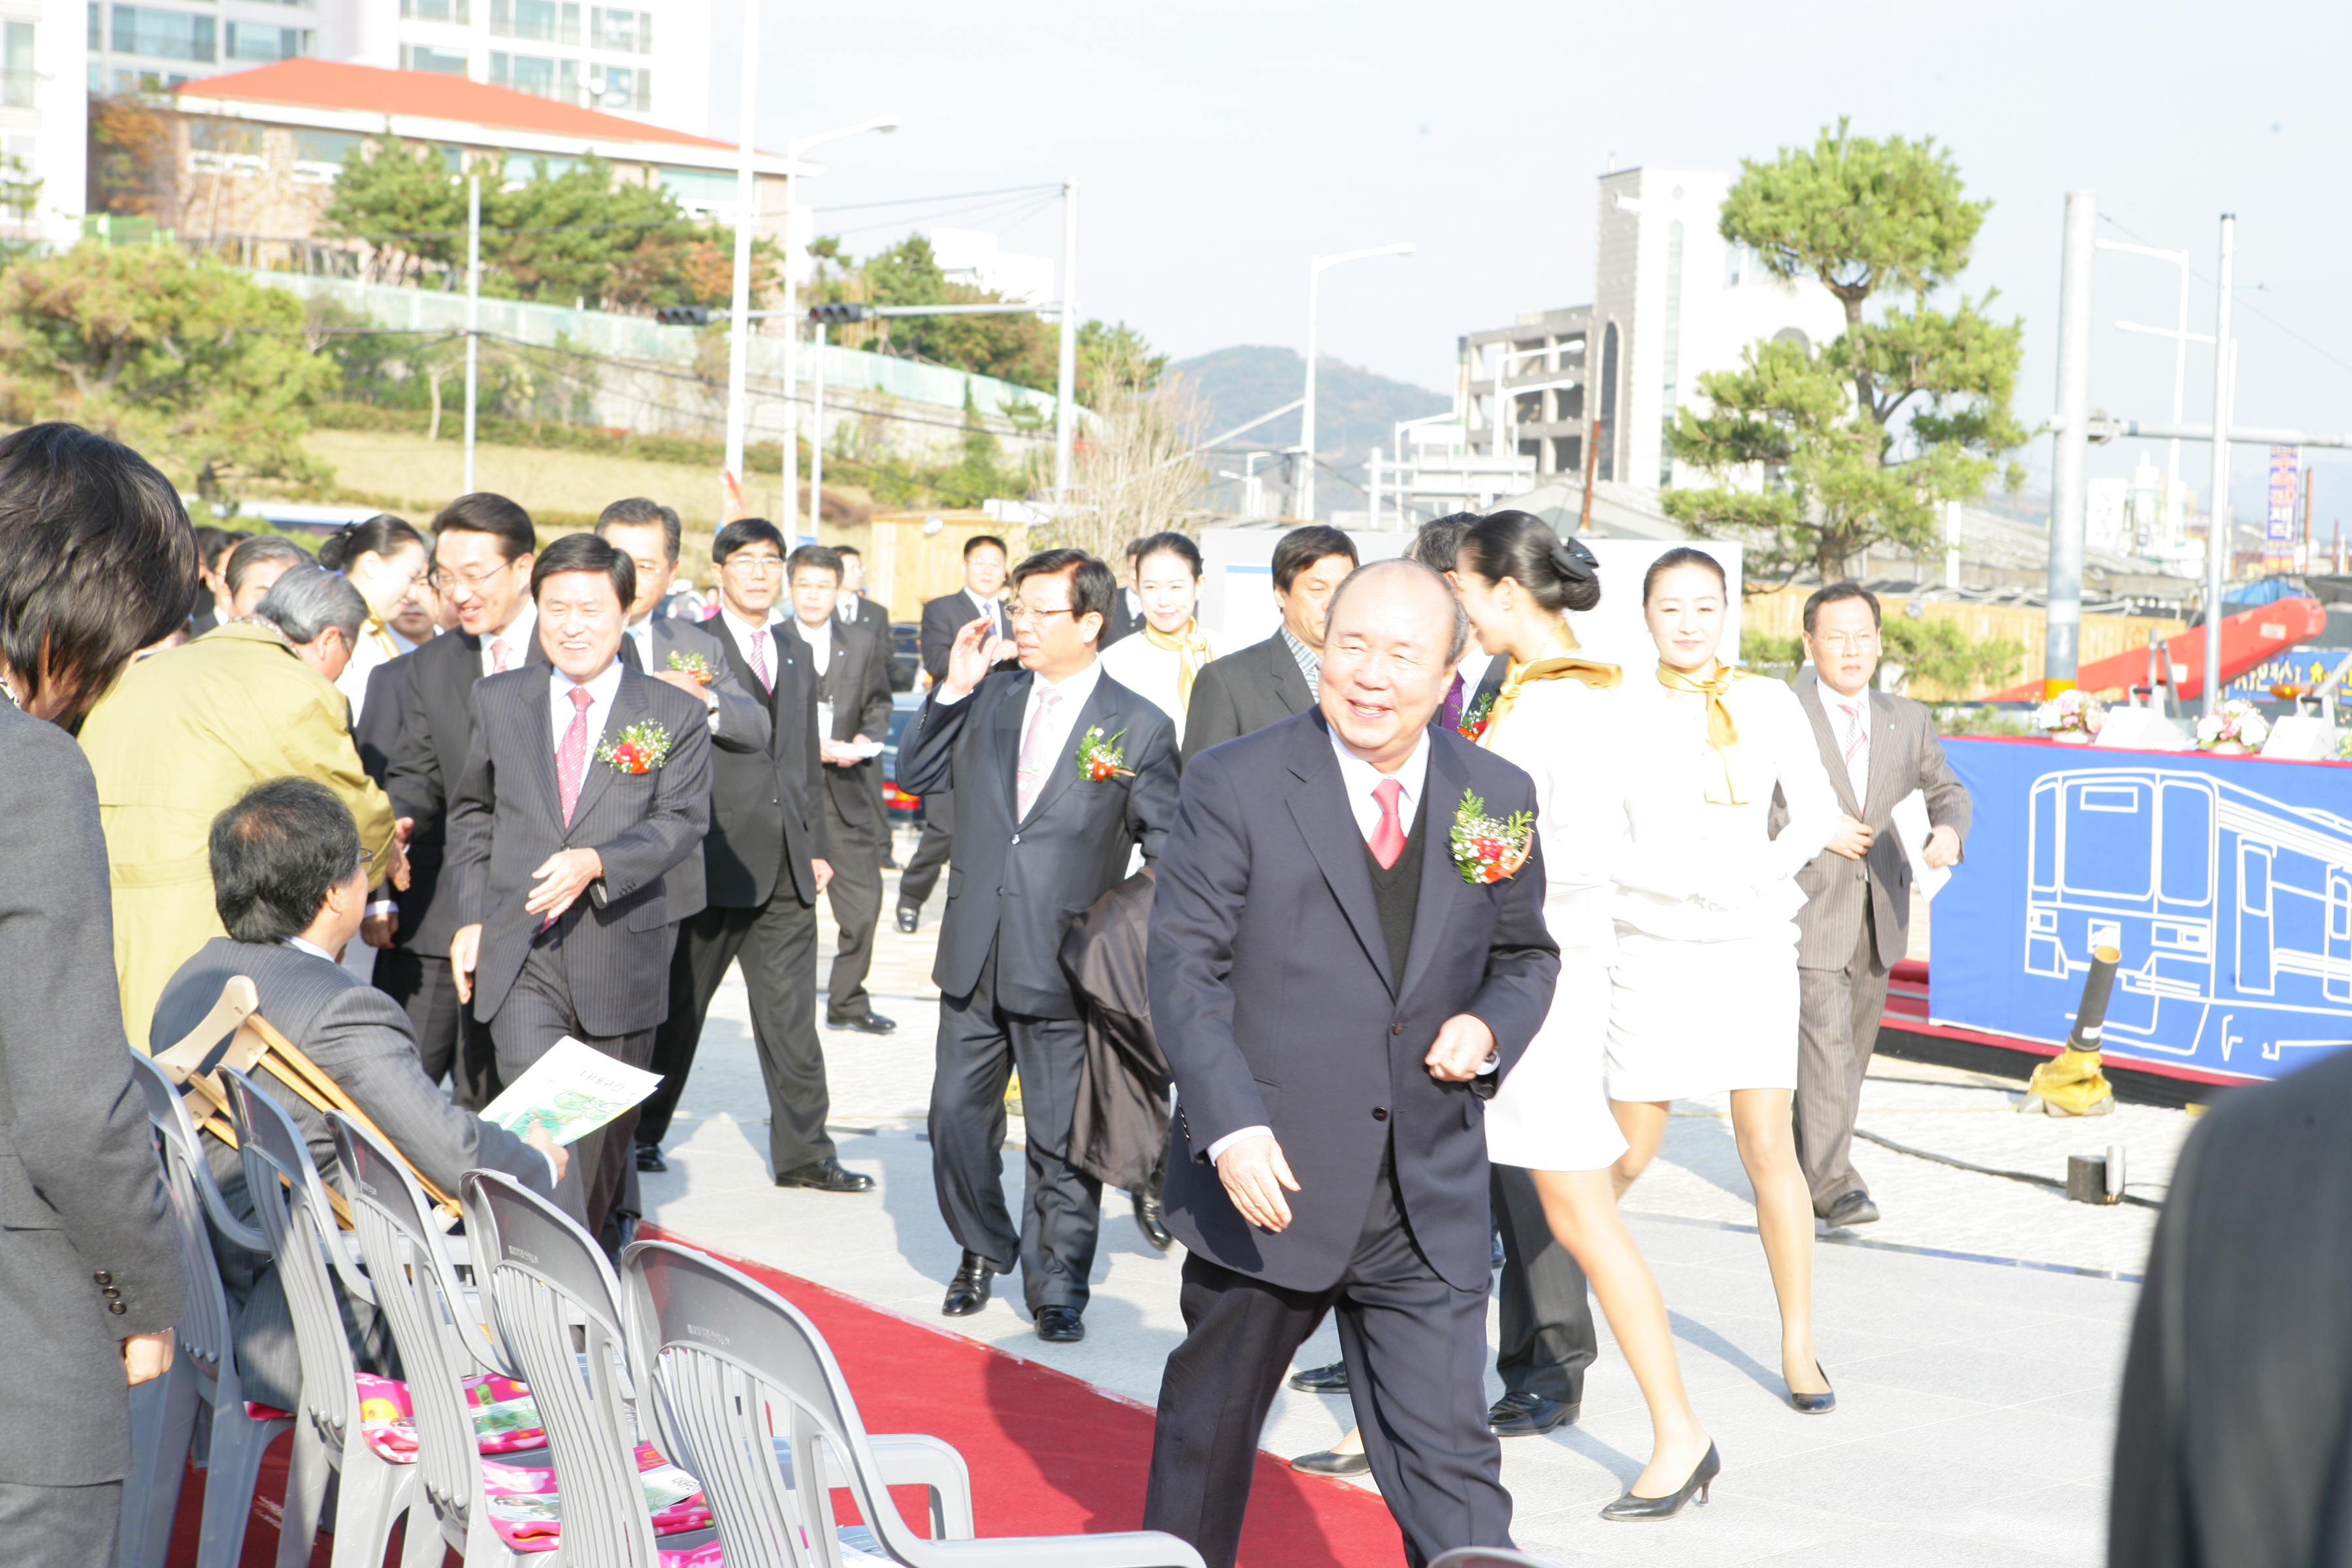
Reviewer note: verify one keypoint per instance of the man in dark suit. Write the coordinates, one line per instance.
(1126, 608)
(483, 549)
(1269, 681)
(1856, 924)
(291, 885)
(943, 618)
(1330, 992)
(588, 784)
(766, 863)
(854, 608)
(1060, 773)
(853, 711)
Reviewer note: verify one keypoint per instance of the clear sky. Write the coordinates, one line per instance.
(1220, 145)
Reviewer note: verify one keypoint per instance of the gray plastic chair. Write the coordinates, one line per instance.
(556, 1311)
(1489, 1557)
(291, 1206)
(734, 1361)
(204, 1384)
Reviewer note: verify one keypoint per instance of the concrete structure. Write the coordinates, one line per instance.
(44, 119)
(608, 58)
(971, 257)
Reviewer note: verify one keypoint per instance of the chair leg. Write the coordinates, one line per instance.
(425, 1545)
(306, 1497)
(163, 1420)
(235, 1448)
(374, 1494)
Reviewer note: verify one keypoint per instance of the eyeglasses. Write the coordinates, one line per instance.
(1847, 642)
(753, 565)
(1024, 616)
(472, 582)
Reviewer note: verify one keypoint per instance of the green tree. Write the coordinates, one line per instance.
(1857, 446)
(1111, 358)
(406, 200)
(192, 362)
(581, 235)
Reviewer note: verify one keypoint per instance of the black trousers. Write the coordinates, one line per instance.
(537, 1013)
(1416, 1353)
(856, 891)
(1547, 1327)
(930, 857)
(1061, 1209)
(776, 944)
(425, 988)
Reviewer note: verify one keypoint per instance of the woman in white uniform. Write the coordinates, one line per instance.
(1158, 659)
(1556, 716)
(386, 559)
(1704, 994)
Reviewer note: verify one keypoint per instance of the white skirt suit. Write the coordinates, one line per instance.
(1704, 994)
(1552, 1111)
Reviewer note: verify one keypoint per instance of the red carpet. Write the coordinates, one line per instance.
(1050, 1454)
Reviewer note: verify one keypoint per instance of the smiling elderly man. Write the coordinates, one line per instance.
(186, 733)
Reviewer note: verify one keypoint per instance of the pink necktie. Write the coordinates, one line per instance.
(1388, 838)
(760, 659)
(571, 757)
(1857, 747)
(498, 656)
(1035, 763)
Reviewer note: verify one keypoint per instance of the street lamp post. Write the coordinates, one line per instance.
(2181, 337)
(793, 149)
(739, 337)
(2217, 530)
(1315, 265)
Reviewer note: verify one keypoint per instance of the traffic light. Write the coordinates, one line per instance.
(686, 315)
(835, 315)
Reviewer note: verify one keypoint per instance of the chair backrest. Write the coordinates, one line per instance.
(1489, 1557)
(721, 1348)
(290, 1207)
(204, 1326)
(419, 1295)
(557, 1310)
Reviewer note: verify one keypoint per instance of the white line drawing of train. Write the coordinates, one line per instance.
(2233, 912)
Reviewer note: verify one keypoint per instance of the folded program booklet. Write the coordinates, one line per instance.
(571, 1090)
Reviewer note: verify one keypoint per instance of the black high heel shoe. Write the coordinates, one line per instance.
(1630, 1507)
(1813, 1404)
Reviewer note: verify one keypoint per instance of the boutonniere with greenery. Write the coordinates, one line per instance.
(695, 664)
(1476, 717)
(1099, 758)
(638, 749)
(1487, 849)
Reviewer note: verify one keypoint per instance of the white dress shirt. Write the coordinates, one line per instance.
(990, 610)
(1073, 692)
(1362, 781)
(820, 642)
(518, 637)
(1844, 713)
(741, 630)
(846, 603)
(601, 692)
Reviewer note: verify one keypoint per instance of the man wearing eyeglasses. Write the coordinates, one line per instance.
(1855, 926)
(1059, 772)
(483, 549)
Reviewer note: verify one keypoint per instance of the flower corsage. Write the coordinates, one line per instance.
(1099, 758)
(1487, 849)
(1476, 717)
(695, 664)
(638, 749)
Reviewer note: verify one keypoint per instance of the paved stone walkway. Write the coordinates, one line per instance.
(1976, 1395)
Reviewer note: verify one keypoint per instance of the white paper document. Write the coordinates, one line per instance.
(1910, 823)
(571, 1090)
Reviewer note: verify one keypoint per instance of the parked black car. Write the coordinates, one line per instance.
(906, 654)
(903, 807)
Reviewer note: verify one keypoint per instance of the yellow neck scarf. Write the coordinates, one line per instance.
(1727, 784)
(383, 635)
(1551, 666)
(1191, 648)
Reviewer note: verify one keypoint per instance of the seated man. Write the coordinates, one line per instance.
(291, 886)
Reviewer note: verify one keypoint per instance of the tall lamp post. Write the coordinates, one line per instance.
(1314, 266)
(747, 210)
(793, 149)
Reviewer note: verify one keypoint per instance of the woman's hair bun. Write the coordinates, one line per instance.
(1572, 561)
(337, 550)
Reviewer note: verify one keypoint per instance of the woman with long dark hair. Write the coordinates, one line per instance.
(97, 560)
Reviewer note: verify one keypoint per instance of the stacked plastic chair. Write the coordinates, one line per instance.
(292, 1210)
(1489, 1557)
(730, 1361)
(204, 1385)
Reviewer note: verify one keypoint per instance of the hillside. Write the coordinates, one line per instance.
(1354, 407)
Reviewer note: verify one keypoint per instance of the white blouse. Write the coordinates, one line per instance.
(1699, 871)
(378, 644)
(1568, 736)
(1150, 672)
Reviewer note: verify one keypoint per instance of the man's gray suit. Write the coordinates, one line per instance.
(361, 1038)
(89, 1248)
(1856, 925)
(1243, 692)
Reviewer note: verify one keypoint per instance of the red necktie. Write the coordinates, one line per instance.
(1388, 838)
(571, 757)
(760, 659)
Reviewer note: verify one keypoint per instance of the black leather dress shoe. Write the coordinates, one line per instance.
(1148, 1220)
(1854, 1208)
(1332, 1379)
(649, 1158)
(968, 1292)
(909, 918)
(1060, 1325)
(1331, 1462)
(863, 1023)
(826, 1176)
(1528, 1415)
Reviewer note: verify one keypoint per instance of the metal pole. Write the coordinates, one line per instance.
(747, 214)
(1066, 379)
(1306, 491)
(2217, 530)
(2069, 478)
(792, 355)
(2179, 385)
(816, 438)
(473, 312)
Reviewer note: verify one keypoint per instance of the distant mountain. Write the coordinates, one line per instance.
(1354, 409)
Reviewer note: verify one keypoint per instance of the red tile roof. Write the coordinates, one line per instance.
(328, 84)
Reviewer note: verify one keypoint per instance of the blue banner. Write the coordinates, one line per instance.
(2226, 882)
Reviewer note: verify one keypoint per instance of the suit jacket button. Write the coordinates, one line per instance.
(1379, 1113)
(117, 1308)
(103, 1278)
(1396, 1028)
(1016, 838)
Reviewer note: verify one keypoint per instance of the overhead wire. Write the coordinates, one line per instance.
(2247, 306)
